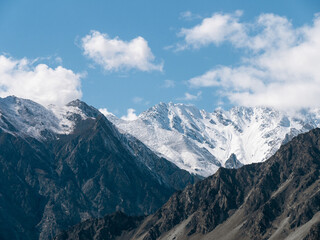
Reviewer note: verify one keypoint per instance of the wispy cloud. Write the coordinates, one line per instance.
(114, 54)
(137, 99)
(189, 16)
(58, 60)
(169, 84)
(190, 97)
(280, 67)
(24, 78)
(140, 100)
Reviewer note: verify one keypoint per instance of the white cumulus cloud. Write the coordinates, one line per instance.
(280, 67)
(114, 54)
(131, 115)
(45, 85)
(105, 112)
(216, 29)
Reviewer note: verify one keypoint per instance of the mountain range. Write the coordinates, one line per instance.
(276, 199)
(62, 165)
(201, 142)
(71, 172)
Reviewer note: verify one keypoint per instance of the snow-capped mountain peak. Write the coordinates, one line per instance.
(201, 142)
(194, 140)
(29, 119)
(25, 117)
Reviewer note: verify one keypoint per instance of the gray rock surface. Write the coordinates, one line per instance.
(277, 199)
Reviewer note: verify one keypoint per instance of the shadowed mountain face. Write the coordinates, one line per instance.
(277, 199)
(109, 227)
(57, 180)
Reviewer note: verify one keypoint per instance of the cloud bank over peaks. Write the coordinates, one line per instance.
(40, 83)
(114, 54)
(280, 67)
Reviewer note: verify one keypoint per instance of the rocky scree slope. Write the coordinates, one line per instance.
(276, 199)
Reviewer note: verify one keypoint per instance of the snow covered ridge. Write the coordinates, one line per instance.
(194, 140)
(201, 142)
(30, 119)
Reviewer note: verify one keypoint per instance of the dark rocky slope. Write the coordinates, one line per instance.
(277, 199)
(50, 185)
(109, 227)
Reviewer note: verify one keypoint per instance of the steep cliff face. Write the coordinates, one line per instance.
(277, 199)
(77, 167)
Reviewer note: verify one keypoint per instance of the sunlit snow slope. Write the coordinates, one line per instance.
(26, 118)
(201, 142)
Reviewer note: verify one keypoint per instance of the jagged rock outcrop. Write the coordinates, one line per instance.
(277, 199)
(233, 162)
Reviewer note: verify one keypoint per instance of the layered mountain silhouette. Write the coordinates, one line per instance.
(276, 199)
(63, 165)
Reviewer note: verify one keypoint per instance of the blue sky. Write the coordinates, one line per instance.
(179, 62)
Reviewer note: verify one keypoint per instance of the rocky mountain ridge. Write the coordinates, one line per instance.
(276, 199)
(62, 166)
(201, 142)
